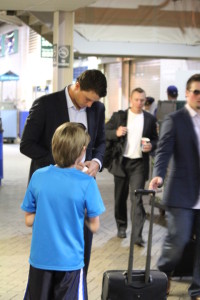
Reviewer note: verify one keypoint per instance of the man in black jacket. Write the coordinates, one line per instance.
(179, 143)
(130, 166)
(78, 102)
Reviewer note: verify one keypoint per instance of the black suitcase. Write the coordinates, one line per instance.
(136, 284)
(185, 265)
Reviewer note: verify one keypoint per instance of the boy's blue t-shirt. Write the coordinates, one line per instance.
(59, 196)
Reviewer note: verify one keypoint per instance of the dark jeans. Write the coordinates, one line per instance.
(88, 236)
(134, 179)
(181, 224)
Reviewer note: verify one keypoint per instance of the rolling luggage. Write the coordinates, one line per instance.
(136, 284)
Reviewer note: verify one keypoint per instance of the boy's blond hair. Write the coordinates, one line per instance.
(68, 142)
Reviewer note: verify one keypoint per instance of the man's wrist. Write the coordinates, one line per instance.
(99, 163)
(161, 182)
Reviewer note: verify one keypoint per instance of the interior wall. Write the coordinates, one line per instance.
(14, 62)
(124, 77)
(39, 70)
(125, 84)
(113, 73)
(33, 70)
(152, 75)
(146, 74)
(176, 72)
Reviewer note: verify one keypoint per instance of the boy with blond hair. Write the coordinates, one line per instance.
(55, 204)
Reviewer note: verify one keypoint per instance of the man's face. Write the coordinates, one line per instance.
(84, 98)
(192, 99)
(137, 101)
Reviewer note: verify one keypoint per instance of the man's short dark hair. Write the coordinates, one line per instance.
(93, 80)
(138, 89)
(193, 78)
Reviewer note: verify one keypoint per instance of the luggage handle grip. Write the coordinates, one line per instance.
(139, 281)
(144, 192)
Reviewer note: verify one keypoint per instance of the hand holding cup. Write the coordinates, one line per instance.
(145, 144)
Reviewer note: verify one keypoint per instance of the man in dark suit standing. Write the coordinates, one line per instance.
(78, 102)
(130, 167)
(180, 141)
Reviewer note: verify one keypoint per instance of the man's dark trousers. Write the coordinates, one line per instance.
(134, 170)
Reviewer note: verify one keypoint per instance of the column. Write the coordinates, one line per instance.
(63, 49)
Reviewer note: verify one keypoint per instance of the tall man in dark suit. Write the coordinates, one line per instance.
(131, 166)
(180, 141)
(77, 102)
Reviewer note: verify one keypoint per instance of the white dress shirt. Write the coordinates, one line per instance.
(78, 116)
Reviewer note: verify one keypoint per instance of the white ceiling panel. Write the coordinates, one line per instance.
(46, 5)
(120, 22)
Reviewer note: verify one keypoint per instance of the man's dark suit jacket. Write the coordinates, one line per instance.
(178, 141)
(149, 130)
(49, 112)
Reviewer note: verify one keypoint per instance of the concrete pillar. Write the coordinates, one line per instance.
(63, 49)
(125, 85)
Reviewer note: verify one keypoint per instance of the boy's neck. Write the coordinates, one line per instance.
(70, 167)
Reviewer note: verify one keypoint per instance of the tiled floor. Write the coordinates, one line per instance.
(109, 252)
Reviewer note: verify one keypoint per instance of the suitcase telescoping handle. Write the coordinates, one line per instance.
(139, 193)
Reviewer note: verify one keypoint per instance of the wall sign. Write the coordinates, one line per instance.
(63, 56)
(55, 55)
(9, 43)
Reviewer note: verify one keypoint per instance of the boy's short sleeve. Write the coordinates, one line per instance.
(29, 204)
(94, 202)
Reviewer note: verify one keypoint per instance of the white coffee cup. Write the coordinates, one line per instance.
(144, 140)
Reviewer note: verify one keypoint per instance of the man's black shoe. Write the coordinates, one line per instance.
(140, 243)
(121, 233)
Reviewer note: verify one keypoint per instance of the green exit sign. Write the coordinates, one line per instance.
(46, 49)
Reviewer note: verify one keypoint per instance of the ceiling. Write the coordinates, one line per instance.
(169, 28)
(47, 5)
